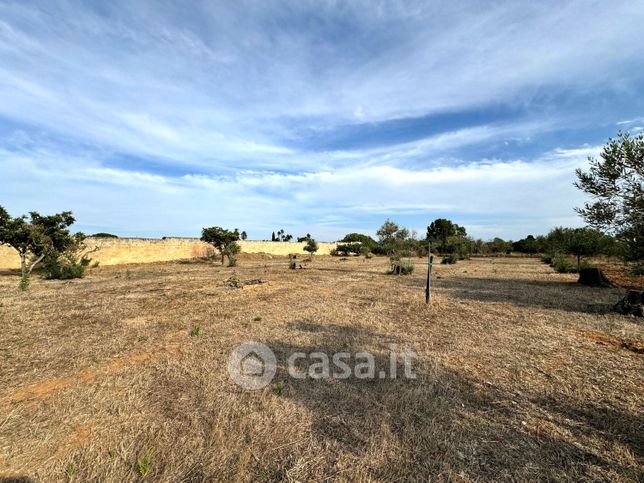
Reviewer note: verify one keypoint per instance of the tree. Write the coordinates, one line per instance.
(584, 242)
(441, 229)
(364, 240)
(273, 237)
(311, 246)
(244, 235)
(526, 245)
(306, 238)
(223, 240)
(282, 236)
(616, 186)
(36, 237)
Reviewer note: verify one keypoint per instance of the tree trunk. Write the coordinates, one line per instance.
(36, 262)
(23, 263)
(578, 263)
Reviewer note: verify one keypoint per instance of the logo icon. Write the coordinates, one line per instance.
(252, 365)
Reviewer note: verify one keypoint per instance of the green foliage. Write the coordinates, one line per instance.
(279, 388)
(305, 238)
(401, 267)
(70, 470)
(231, 251)
(528, 245)
(71, 263)
(244, 235)
(143, 465)
(441, 230)
(311, 246)
(36, 237)
(358, 238)
(563, 265)
(103, 235)
(234, 281)
(391, 238)
(281, 236)
(195, 331)
(346, 249)
(616, 186)
(24, 282)
(225, 241)
(257, 319)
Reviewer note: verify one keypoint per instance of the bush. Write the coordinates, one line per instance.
(451, 260)
(401, 267)
(56, 268)
(563, 265)
(638, 270)
(548, 259)
(103, 235)
(24, 282)
(334, 252)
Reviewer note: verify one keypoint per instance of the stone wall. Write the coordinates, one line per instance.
(114, 251)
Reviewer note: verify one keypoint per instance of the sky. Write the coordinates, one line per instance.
(159, 118)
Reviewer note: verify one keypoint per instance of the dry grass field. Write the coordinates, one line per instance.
(522, 375)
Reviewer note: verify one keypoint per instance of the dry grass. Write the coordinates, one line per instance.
(522, 375)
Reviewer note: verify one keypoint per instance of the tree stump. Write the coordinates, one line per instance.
(593, 277)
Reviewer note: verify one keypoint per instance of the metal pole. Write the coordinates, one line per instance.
(430, 260)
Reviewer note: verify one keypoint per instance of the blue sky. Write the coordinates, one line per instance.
(159, 118)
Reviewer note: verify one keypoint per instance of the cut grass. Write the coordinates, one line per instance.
(522, 375)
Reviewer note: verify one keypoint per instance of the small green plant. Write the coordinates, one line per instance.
(257, 319)
(70, 470)
(112, 453)
(563, 265)
(143, 465)
(24, 282)
(195, 331)
(128, 274)
(96, 264)
(279, 388)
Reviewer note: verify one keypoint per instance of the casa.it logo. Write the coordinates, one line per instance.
(252, 365)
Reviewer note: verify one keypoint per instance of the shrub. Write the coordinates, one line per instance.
(547, 259)
(24, 282)
(401, 267)
(563, 265)
(451, 260)
(231, 251)
(65, 267)
(234, 281)
(334, 252)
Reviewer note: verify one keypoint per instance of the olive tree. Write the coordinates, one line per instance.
(311, 246)
(37, 237)
(225, 241)
(616, 186)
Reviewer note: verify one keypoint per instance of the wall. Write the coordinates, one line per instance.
(114, 251)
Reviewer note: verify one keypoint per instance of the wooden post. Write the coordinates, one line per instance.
(430, 260)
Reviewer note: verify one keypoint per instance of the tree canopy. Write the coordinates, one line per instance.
(36, 237)
(225, 241)
(615, 183)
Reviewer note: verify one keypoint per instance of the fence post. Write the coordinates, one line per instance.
(430, 261)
